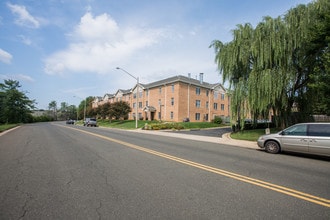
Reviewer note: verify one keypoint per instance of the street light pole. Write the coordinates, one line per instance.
(84, 108)
(137, 95)
(85, 111)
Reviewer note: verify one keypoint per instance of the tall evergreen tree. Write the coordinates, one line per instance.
(15, 106)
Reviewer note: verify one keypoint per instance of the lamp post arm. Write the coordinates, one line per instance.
(137, 95)
(136, 78)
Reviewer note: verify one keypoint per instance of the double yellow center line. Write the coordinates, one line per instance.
(264, 184)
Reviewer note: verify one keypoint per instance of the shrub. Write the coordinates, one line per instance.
(217, 120)
(163, 126)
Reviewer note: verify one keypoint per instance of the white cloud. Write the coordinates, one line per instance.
(97, 44)
(25, 78)
(25, 39)
(18, 77)
(5, 57)
(24, 18)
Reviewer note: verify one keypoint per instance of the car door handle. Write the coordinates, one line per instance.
(303, 140)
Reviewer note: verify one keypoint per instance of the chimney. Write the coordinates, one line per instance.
(201, 78)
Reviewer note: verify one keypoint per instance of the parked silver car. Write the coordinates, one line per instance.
(90, 122)
(310, 138)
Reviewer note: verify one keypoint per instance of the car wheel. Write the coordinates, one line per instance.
(272, 147)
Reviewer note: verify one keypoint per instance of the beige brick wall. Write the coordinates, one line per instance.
(184, 96)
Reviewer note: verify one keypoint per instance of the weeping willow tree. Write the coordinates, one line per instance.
(235, 62)
(268, 67)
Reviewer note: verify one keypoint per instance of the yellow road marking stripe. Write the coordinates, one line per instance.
(264, 184)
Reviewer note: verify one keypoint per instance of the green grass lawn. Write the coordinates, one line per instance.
(7, 126)
(251, 135)
(130, 124)
(125, 124)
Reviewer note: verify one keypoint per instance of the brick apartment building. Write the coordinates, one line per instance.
(174, 99)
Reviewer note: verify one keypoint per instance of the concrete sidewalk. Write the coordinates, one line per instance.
(225, 139)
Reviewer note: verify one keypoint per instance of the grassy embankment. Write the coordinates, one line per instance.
(7, 126)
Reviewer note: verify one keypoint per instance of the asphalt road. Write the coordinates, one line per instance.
(58, 171)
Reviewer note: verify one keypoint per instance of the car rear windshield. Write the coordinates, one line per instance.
(322, 130)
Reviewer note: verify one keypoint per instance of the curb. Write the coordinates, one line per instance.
(225, 139)
(9, 130)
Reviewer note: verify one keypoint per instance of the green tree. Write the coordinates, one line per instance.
(85, 108)
(104, 110)
(119, 110)
(90, 112)
(270, 67)
(319, 38)
(72, 111)
(52, 107)
(15, 106)
(67, 111)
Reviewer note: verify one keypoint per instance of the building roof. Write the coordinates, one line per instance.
(123, 91)
(180, 78)
(108, 95)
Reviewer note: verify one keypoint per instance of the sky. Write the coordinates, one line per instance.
(67, 50)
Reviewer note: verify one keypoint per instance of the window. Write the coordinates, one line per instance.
(215, 106)
(207, 105)
(207, 92)
(197, 116)
(147, 103)
(147, 92)
(160, 90)
(172, 101)
(198, 91)
(140, 104)
(172, 115)
(215, 95)
(159, 102)
(322, 130)
(172, 87)
(134, 105)
(222, 107)
(198, 103)
(297, 130)
(222, 96)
